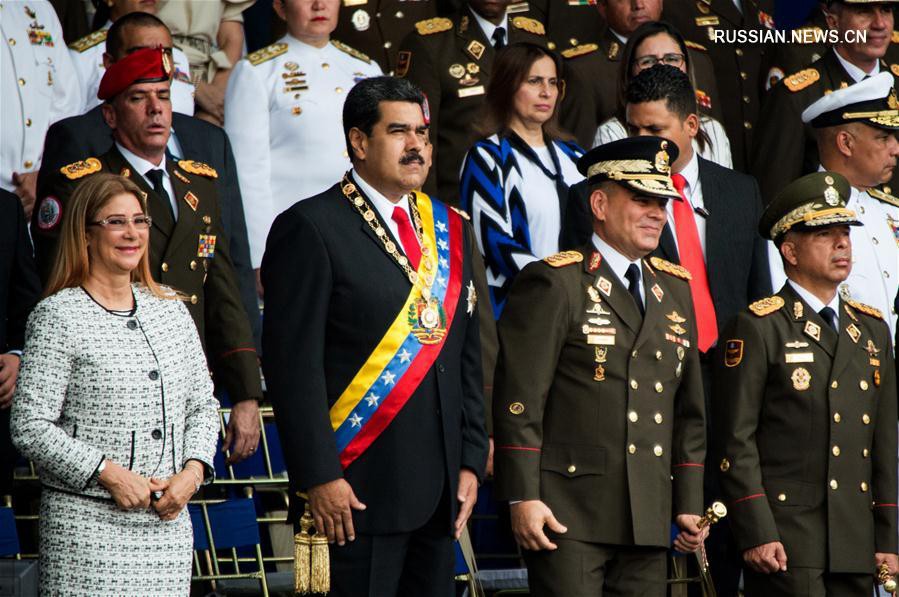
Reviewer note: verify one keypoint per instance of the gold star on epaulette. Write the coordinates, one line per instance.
(351, 51)
(198, 168)
(671, 268)
(564, 258)
(435, 25)
(81, 169)
(530, 25)
(866, 309)
(766, 306)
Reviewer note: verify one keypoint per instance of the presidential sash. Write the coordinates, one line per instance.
(408, 349)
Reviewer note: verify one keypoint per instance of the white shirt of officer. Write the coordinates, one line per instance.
(89, 65)
(38, 84)
(284, 118)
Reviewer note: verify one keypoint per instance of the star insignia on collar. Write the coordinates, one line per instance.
(472, 298)
(388, 378)
(405, 357)
(372, 399)
(356, 421)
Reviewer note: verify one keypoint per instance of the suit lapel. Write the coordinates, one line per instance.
(653, 319)
(807, 322)
(186, 227)
(667, 248)
(475, 44)
(370, 233)
(715, 230)
(850, 336)
(613, 292)
(156, 206)
(728, 10)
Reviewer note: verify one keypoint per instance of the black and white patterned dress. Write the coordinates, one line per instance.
(134, 389)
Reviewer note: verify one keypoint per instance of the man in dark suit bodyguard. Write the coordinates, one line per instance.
(187, 248)
(20, 290)
(73, 139)
(805, 413)
(372, 361)
(598, 408)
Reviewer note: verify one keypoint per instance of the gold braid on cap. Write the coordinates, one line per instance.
(615, 167)
(884, 117)
(811, 212)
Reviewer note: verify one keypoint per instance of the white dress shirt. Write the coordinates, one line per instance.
(142, 166)
(817, 304)
(37, 81)
(693, 194)
(385, 207)
(488, 28)
(855, 72)
(284, 116)
(618, 263)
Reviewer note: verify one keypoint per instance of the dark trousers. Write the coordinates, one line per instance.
(581, 569)
(419, 563)
(807, 582)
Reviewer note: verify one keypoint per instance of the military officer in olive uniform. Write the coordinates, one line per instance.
(593, 70)
(598, 408)
(784, 148)
(737, 66)
(188, 250)
(450, 60)
(805, 413)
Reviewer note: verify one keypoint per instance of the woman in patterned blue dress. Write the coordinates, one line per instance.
(515, 180)
(114, 404)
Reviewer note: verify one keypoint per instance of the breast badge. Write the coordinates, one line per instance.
(733, 353)
(801, 379)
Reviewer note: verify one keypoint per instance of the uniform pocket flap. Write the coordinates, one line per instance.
(787, 492)
(573, 460)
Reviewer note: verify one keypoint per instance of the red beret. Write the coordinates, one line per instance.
(147, 65)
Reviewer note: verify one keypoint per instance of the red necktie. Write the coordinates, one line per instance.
(407, 236)
(690, 250)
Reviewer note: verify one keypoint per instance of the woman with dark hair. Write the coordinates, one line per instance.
(114, 406)
(658, 42)
(515, 181)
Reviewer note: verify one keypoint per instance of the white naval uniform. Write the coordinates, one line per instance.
(295, 148)
(38, 82)
(87, 54)
(874, 279)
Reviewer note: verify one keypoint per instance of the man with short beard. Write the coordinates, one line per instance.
(373, 360)
(804, 415)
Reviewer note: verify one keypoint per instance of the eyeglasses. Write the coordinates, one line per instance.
(119, 223)
(672, 59)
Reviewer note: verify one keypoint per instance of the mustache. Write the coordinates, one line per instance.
(412, 157)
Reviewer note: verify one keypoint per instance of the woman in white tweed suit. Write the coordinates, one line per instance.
(114, 404)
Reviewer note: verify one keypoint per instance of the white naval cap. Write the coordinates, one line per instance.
(872, 101)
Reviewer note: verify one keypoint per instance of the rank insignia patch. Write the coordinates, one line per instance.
(733, 353)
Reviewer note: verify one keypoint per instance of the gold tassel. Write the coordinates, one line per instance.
(302, 580)
(321, 565)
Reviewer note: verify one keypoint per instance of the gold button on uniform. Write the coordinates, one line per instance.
(516, 408)
(658, 355)
(27, 122)
(725, 465)
(12, 42)
(193, 299)
(632, 416)
(387, 45)
(834, 384)
(399, 14)
(865, 453)
(866, 419)
(165, 266)
(837, 418)
(863, 385)
(781, 497)
(573, 41)
(338, 90)
(834, 484)
(193, 265)
(863, 487)
(658, 418)
(747, 125)
(634, 384)
(657, 450)
(835, 450)
(571, 468)
(28, 163)
(634, 354)
(21, 82)
(659, 387)
(738, 52)
(632, 449)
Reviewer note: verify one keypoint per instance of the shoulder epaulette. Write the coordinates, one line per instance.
(266, 53)
(866, 309)
(895, 37)
(351, 51)
(671, 268)
(198, 168)
(435, 25)
(579, 50)
(461, 212)
(564, 258)
(883, 195)
(766, 306)
(695, 46)
(81, 169)
(530, 25)
(89, 41)
(802, 79)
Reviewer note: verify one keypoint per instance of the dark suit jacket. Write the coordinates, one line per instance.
(736, 256)
(20, 287)
(331, 292)
(78, 137)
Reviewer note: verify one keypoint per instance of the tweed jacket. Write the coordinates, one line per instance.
(93, 384)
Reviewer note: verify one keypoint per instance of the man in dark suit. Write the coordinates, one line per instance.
(189, 251)
(451, 60)
(20, 289)
(373, 362)
(806, 420)
(715, 238)
(74, 138)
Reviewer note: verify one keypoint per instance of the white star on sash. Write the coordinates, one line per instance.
(356, 421)
(443, 262)
(405, 357)
(440, 226)
(443, 244)
(441, 280)
(388, 378)
(372, 399)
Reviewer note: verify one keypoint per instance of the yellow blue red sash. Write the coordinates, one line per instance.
(399, 362)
